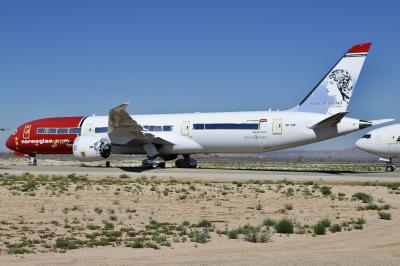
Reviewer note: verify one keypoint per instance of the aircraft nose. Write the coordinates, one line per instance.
(361, 144)
(10, 143)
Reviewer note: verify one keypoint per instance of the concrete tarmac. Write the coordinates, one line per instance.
(207, 174)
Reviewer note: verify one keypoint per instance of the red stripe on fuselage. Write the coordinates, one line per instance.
(45, 143)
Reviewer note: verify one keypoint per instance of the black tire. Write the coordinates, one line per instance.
(108, 164)
(389, 168)
(162, 165)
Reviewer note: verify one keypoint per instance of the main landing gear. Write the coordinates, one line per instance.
(153, 159)
(156, 162)
(389, 166)
(186, 162)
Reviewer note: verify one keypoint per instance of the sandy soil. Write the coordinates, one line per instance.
(36, 211)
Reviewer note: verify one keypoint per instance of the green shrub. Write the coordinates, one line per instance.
(325, 190)
(269, 222)
(284, 226)
(151, 245)
(325, 222)
(204, 223)
(233, 234)
(288, 207)
(319, 229)
(335, 228)
(360, 221)
(67, 243)
(364, 197)
(358, 226)
(385, 215)
(17, 249)
(135, 244)
(108, 225)
(200, 236)
(255, 234)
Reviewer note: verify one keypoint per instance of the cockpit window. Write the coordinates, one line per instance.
(366, 136)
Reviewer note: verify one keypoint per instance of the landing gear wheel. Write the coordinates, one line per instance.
(389, 168)
(107, 163)
(186, 163)
(153, 163)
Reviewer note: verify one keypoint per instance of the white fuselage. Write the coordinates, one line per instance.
(233, 132)
(383, 142)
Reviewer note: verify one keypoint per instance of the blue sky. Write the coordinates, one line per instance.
(65, 58)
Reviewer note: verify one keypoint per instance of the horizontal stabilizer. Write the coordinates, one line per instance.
(381, 121)
(329, 121)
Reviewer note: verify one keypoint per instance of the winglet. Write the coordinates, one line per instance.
(121, 107)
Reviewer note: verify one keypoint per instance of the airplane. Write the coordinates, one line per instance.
(383, 142)
(319, 116)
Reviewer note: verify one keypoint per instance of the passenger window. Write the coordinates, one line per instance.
(74, 130)
(101, 130)
(41, 131)
(51, 130)
(167, 128)
(62, 131)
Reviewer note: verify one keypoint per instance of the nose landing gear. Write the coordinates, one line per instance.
(32, 160)
(389, 166)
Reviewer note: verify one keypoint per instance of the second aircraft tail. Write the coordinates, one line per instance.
(333, 93)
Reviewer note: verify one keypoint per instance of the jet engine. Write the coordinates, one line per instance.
(89, 148)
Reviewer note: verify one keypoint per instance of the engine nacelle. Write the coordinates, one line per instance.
(89, 148)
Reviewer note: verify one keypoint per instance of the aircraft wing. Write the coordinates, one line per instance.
(122, 129)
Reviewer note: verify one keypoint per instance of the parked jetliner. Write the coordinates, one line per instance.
(383, 142)
(320, 116)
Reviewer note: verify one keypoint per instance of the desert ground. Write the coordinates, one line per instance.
(48, 219)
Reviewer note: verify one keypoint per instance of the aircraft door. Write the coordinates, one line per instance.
(186, 129)
(277, 127)
(263, 125)
(263, 133)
